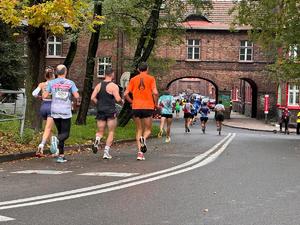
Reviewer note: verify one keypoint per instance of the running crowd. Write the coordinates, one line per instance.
(57, 93)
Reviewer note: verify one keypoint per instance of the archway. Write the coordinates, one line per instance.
(249, 97)
(198, 85)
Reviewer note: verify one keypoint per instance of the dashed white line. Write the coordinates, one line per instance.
(108, 174)
(43, 172)
(4, 218)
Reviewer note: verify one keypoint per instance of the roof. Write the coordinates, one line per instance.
(218, 18)
(204, 25)
(220, 12)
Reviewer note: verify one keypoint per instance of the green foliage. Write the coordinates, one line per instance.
(52, 15)
(276, 27)
(27, 137)
(11, 61)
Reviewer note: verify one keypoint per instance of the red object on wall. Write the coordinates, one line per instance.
(266, 105)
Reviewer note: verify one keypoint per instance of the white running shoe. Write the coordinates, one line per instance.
(168, 139)
(106, 155)
(140, 156)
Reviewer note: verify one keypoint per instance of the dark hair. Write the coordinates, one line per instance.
(143, 66)
(49, 72)
(204, 103)
(220, 102)
(109, 71)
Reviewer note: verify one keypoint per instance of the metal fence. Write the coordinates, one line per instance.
(13, 107)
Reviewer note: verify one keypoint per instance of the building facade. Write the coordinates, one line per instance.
(209, 51)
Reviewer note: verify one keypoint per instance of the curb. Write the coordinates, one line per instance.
(252, 129)
(13, 157)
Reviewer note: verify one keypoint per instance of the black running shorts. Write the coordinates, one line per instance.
(105, 116)
(169, 116)
(203, 119)
(219, 117)
(142, 113)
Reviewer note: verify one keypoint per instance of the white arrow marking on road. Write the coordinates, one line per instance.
(4, 219)
(108, 174)
(207, 156)
(44, 172)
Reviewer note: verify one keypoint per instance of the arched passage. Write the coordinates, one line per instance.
(212, 89)
(248, 97)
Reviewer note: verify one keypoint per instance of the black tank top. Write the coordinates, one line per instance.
(105, 101)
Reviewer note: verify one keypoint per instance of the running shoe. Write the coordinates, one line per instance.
(203, 130)
(61, 159)
(188, 130)
(95, 146)
(143, 145)
(106, 155)
(53, 146)
(140, 156)
(168, 139)
(160, 134)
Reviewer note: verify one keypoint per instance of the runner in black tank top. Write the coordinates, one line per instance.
(106, 108)
(105, 95)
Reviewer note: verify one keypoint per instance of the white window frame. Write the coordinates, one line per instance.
(293, 52)
(54, 43)
(193, 46)
(293, 90)
(105, 62)
(248, 46)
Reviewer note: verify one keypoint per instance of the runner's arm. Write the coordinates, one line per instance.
(36, 91)
(94, 94)
(127, 97)
(116, 94)
(155, 96)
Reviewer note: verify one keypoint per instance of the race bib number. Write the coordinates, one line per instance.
(63, 95)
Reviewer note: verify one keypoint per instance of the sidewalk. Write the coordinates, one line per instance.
(240, 121)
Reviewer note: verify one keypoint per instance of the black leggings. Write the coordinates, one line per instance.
(63, 128)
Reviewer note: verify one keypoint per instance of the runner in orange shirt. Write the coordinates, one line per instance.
(144, 101)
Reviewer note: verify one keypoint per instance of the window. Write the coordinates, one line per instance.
(294, 52)
(246, 51)
(54, 46)
(293, 95)
(193, 49)
(103, 64)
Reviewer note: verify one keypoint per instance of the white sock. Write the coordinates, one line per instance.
(107, 148)
(98, 138)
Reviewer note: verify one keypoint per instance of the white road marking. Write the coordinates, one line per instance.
(192, 161)
(44, 172)
(4, 219)
(108, 174)
(208, 157)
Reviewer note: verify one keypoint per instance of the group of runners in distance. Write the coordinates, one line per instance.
(56, 108)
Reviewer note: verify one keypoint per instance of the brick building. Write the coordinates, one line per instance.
(229, 61)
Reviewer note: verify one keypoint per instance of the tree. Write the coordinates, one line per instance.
(144, 21)
(276, 27)
(90, 65)
(11, 61)
(42, 17)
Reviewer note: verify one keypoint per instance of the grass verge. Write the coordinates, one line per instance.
(11, 142)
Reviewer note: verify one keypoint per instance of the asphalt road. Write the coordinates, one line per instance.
(239, 178)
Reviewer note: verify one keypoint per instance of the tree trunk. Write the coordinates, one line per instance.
(37, 45)
(72, 49)
(90, 65)
(142, 53)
